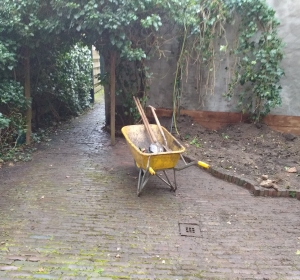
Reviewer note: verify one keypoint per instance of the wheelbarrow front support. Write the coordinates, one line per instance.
(144, 175)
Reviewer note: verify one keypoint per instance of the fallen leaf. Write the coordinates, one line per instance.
(292, 170)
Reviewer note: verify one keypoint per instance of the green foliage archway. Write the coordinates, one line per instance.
(132, 29)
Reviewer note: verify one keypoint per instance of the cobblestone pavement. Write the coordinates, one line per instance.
(73, 213)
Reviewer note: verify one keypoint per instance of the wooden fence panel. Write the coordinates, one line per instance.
(96, 69)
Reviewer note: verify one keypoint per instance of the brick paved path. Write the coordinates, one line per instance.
(73, 213)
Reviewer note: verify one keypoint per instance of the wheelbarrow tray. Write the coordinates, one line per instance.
(137, 139)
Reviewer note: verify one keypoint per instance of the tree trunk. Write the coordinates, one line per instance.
(112, 98)
(27, 96)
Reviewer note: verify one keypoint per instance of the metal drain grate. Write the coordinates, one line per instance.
(189, 229)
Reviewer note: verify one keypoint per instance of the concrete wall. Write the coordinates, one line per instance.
(288, 12)
(163, 68)
(205, 93)
(160, 94)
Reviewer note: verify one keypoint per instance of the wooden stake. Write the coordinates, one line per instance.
(27, 96)
(112, 97)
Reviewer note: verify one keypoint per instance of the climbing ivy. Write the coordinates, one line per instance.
(200, 25)
(253, 59)
(133, 30)
(12, 107)
(260, 52)
(60, 72)
(66, 83)
(49, 29)
(4, 122)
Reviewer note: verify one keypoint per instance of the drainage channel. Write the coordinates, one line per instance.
(189, 230)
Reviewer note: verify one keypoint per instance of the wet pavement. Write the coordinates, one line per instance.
(73, 213)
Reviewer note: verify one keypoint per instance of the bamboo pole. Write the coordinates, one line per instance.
(112, 98)
(27, 96)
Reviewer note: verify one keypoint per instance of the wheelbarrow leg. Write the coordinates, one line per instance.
(166, 181)
(144, 176)
(170, 184)
(139, 181)
(175, 183)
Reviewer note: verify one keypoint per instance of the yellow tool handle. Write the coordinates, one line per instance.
(151, 171)
(203, 164)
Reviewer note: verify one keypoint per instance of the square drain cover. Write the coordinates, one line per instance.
(189, 229)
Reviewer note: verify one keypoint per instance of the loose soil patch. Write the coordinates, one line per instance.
(244, 149)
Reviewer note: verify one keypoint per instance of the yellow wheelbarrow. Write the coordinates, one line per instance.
(150, 163)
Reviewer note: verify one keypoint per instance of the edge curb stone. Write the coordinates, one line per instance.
(247, 184)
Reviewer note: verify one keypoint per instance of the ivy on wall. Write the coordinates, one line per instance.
(133, 29)
(260, 52)
(253, 59)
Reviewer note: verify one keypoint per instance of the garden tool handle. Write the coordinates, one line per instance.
(158, 124)
(145, 120)
(141, 114)
(203, 164)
